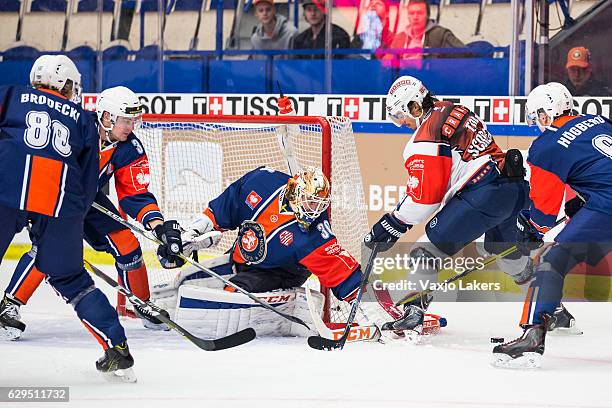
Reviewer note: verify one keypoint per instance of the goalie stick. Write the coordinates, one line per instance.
(233, 340)
(321, 343)
(204, 269)
(413, 296)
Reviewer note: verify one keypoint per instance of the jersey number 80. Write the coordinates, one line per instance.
(41, 130)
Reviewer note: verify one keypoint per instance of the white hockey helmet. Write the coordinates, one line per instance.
(567, 100)
(54, 72)
(405, 91)
(308, 193)
(121, 103)
(543, 100)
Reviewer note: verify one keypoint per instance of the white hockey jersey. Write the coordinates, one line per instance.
(450, 149)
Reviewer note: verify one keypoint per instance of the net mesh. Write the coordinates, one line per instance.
(193, 160)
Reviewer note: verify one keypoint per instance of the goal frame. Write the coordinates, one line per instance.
(326, 158)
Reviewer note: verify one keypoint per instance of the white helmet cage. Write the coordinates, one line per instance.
(405, 91)
(118, 102)
(54, 72)
(308, 192)
(543, 99)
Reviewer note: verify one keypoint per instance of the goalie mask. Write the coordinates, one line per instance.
(57, 72)
(308, 194)
(405, 100)
(123, 106)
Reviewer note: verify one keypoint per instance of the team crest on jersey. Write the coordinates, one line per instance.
(415, 181)
(252, 242)
(253, 199)
(140, 175)
(286, 238)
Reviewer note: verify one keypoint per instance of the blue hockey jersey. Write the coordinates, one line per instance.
(259, 196)
(48, 153)
(576, 151)
(128, 162)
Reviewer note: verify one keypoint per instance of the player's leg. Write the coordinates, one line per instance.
(468, 215)
(60, 255)
(12, 221)
(25, 280)
(545, 292)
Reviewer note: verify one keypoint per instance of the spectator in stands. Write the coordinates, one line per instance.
(372, 27)
(314, 37)
(580, 80)
(423, 32)
(273, 32)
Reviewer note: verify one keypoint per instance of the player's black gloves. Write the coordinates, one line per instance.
(386, 232)
(572, 206)
(169, 233)
(528, 237)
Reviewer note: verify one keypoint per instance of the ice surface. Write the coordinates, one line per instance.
(450, 370)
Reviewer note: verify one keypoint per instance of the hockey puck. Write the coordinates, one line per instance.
(497, 339)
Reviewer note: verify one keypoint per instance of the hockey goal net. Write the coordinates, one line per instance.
(193, 158)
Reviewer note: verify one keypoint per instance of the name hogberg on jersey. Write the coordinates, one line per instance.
(63, 108)
(572, 133)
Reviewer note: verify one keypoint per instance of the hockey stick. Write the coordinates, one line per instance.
(321, 343)
(413, 296)
(204, 269)
(233, 340)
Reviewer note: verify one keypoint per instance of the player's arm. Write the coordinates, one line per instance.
(429, 167)
(335, 267)
(89, 160)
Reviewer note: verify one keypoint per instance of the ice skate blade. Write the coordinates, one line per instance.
(526, 361)
(565, 331)
(9, 333)
(126, 375)
(152, 326)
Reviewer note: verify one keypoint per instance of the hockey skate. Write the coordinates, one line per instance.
(524, 352)
(149, 321)
(116, 364)
(526, 275)
(11, 325)
(410, 324)
(563, 323)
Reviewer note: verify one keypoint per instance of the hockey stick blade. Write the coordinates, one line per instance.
(321, 343)
(204, 269)
(233, 340)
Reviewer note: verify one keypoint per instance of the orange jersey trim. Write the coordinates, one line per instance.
(146, 209)
(44, 185)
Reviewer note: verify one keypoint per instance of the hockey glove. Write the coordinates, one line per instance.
(573, 206)
(386, 232)
(169, 233)
(528, 237)
(200, 235)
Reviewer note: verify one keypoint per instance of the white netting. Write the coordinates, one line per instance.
(193, 160)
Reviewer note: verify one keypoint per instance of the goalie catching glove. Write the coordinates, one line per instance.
(169, 233)
(201, 234)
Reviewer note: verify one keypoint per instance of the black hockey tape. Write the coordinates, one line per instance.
(497, 339)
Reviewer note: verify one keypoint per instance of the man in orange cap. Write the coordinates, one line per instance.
(580, 75)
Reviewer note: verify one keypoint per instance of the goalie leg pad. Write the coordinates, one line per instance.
(212, 313)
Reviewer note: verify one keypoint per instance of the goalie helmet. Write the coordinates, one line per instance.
(56, 72)
(405, 92)
(544, 104)
(119, 102)
(308, 193)
(567, 101)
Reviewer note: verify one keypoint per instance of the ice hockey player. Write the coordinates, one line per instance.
(49, 159)
(284, 235)
(457, 171)
(122, 156)
(574, 151)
